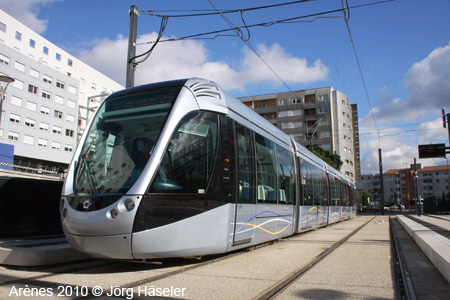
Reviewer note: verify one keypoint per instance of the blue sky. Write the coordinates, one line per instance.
(403, 48)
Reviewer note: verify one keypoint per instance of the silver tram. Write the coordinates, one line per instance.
(181, 168)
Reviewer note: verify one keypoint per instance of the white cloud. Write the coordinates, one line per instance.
(427, 83)
(183, 59)
(26, 11)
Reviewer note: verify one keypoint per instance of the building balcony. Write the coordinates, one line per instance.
(265, 110)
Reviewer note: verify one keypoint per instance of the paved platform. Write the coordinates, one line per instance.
(37, 251)
(431, 239)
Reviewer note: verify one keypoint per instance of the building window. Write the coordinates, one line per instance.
(32, 43)
(14, 118)
(323, 110)
(32, 89)
(290, 113)
(69, 132)
(19, 67)
(71, 104)
(57, 130)
(59, 99)
(70, 118)
(34, 73)
(4, 59)
(18, 84)
(45, 50)
(60, 84)
(68, 148)
(58, 57)
(27, 139)
(70, 62)
(43, 126)
(47, 79)
(13, 136)
(283, 102)
(72, 90)
(2, 27)
(31, 106)
(58, 114)
(56, 146)
(287, 125)
(42, 143)
(16, 101)
(46, 95)
(45, 110)
(30, 122)
(323, 98)
(18, 36)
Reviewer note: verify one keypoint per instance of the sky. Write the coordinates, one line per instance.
(402, 51)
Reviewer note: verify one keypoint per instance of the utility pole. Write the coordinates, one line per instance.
(134, 12)
(419, 204)
(381, 180)
(446, 123)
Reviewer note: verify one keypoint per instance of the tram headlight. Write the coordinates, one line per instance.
(129, 204)
(113, 213)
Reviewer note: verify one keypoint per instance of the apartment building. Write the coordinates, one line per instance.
(320, 117)
(401, 186)
(45, 107)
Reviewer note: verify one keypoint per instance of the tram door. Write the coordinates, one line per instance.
(244, 214)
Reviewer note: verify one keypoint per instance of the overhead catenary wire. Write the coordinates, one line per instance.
(346, 11)
(238, 31)
(250, 46)
(315, 16)
(146, 54)
(216, 12)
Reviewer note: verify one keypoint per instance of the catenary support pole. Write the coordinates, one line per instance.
(381, 180)
(132, 46)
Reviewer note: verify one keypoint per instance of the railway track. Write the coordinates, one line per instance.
(278, 288)
(127, 280)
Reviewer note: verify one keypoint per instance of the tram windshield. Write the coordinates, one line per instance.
(120, 141)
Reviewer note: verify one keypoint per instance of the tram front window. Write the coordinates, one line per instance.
(189, 159)
(116, 148)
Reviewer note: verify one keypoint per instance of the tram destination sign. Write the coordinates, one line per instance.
(432, 151)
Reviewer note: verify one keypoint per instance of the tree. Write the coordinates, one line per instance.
(328, 157)
(365, 198)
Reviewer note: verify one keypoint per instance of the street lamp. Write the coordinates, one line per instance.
(7, 80)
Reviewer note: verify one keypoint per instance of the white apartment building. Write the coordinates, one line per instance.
(44, 108)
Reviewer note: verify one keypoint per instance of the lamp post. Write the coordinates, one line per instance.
(8, 80)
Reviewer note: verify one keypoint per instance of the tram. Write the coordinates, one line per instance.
(182, 169)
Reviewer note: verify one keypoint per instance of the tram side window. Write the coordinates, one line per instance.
(245, 163)
(307, 182)
(266, 170)
(351, 196)
(344, 194)
(335, 199)
(189, 159)
(320, 187)
(286, 175)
